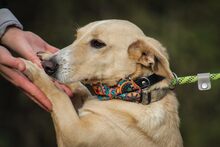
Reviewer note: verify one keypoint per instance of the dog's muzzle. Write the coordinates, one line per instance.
(50, 66)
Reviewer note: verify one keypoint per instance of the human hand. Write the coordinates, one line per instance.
(11, 68)
(27, 44)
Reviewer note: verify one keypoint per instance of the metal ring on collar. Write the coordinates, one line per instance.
(176, 77)
(145, 79)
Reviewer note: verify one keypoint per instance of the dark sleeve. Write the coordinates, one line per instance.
(7, 19)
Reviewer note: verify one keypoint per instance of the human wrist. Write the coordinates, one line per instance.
(11, 34)
(7, 19)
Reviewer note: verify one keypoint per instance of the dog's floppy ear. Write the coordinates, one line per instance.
(151, 54)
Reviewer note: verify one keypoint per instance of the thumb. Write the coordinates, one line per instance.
(51, 48)
(15, 63)
(18, 64)
(7, 59)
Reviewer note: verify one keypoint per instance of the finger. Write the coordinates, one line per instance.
(34, 99)
(22, 82)
(7, 59)
(39, 98)
(51, 48)
(65, 88)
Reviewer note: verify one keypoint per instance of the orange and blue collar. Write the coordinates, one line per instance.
(126, 89)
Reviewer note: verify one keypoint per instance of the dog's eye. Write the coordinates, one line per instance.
(97, 43)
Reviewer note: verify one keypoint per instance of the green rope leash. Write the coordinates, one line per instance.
(191, 79)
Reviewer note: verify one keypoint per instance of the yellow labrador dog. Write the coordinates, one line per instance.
(128, 102)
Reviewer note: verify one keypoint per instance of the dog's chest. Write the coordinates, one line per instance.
(125, 115)
(124, 122)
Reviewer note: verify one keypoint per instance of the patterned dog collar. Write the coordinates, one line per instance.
(130, 90)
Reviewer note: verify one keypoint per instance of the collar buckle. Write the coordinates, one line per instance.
(143, 82)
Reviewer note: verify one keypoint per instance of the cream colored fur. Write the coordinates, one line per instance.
(113, 123)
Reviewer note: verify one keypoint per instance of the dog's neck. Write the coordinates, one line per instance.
(142, 86)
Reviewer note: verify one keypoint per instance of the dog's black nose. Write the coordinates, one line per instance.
(50, 66)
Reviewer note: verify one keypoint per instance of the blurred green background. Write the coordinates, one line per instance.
(190, 29)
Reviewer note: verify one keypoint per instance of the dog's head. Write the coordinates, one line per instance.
(110, 49)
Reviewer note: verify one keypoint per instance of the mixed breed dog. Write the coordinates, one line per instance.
(120, 80)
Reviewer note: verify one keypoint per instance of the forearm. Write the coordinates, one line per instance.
(7, 19)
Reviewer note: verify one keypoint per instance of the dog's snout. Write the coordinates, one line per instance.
(50, 66)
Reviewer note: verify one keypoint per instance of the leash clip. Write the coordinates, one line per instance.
(204, 82)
